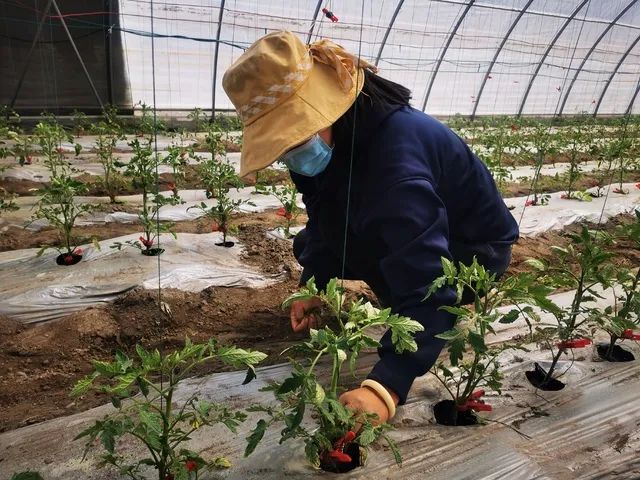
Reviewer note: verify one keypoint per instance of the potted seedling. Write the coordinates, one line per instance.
(287, 195)
(537, 147)
(219, 177)
(473, 365)
(22, 149)
(146, 125)
(176, 158)
(142, 391)
(584, 266)
(57, 204)
(622, 319)
(576, 139)
(497, 141)
(7, 200)
(107, 137)
(142, 171)
(80, 122)
(198, 119)
(332, 443)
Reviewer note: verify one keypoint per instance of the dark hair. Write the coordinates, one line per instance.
(377, 94)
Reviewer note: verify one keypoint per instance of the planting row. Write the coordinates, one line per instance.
(307, 408)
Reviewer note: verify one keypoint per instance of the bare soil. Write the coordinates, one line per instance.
(40, 364)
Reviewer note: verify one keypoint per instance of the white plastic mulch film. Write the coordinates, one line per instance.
(588, 430)
(35, 289)
(457, 56)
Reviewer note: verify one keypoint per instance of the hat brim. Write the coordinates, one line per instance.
(317, 105)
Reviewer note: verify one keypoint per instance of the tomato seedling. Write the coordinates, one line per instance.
(287, 196)
(142, 170)
(327, 442)
(142, 391)
(584, 266)
(473, 363)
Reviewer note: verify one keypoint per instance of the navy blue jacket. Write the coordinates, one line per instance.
(417, 194)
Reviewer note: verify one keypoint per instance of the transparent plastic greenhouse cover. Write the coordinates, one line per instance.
(468, 57)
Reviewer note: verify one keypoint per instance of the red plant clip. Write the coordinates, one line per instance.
(530, 203)
(329, 14)
(282, 212)
(28, 159)
(146, 243)
(574, 343)
(78, 251)
(337, 454)
(60, 150)
(629, 335)
(620, 190)
(638, 185)
(474, 402)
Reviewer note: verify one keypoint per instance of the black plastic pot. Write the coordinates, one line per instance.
(329, 465)
(618, 354)
(61, 259)
(226, 244)
(446, 413)
(537, 377)
(153, 252)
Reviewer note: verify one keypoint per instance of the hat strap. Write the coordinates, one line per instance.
(343, 62)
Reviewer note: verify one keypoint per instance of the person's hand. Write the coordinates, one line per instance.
(304, 314)
(366, 400)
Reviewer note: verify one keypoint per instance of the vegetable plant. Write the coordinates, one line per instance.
(497, 141)
(329, 441)
(286, 194)
(537, 147)
(198, 119)
(142, 171)
(219, 177)
(142, 390)
(576, 137)
(22, 149)
(176, 158)
(112, 179)
(7, 200)
(584, 266)
(56, 204)
(472, 363)
(622, 319)
(80, 122)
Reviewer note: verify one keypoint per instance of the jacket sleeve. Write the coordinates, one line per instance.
(314, 255)
(409, 232)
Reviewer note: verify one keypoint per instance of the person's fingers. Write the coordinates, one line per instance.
(300, 325)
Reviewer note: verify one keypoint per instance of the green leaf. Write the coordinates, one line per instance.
(477, 342)
(312, 453)
(255, 437)
(367, 435)
(291, 383)
(537, 264)
(28, 475)
(450, 334)
(510, 317)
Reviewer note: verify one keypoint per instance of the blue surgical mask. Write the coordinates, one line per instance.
(309, 159)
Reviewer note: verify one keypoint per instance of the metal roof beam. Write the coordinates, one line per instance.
(386, 34)
(593, 47)
(444, 52)
(495, 57)
(546, 54)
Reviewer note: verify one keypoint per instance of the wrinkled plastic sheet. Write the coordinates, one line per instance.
(35, 289)
(254, 202)
(588, 430)
(89, 163)
(560, 213)
(278, 233)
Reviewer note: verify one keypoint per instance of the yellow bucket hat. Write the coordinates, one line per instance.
(285, 92)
